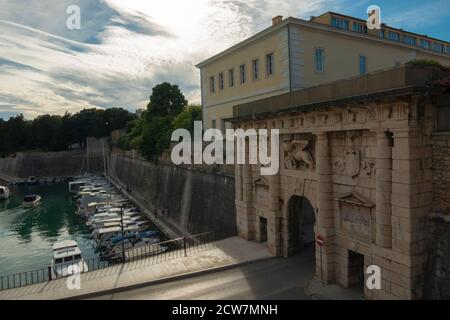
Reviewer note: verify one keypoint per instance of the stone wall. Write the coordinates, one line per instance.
(437, 273)
(441, 172)
(194, 201)
(41, 164)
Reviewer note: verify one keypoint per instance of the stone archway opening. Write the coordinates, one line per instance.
(301, 219)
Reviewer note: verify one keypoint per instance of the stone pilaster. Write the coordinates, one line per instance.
(383, 190)
(245, 214)
(325, 223)
(274, 217)
(411, 202)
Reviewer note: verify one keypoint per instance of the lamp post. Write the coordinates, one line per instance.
(123, 242)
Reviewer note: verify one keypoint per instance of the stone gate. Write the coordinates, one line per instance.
(355, 162)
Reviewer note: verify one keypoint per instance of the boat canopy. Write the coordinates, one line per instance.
(64, 244)
(30, 198)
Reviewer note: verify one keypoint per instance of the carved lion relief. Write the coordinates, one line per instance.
(296, 155)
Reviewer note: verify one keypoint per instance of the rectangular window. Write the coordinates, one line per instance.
(425, 44)
(213, 123)
(339, 23)
(359, 27)
(255, 69)
(221, 81)
(448, 49)
(242, 73)
(409, 40)
(438, 47)
(231, 77)
(319, 60)
(212, 88)
(362, 64)
(381, 33)
(269, 64)
(395, 36)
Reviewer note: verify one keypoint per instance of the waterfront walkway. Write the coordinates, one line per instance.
(218, 255)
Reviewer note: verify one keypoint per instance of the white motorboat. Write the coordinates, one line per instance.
(74, 186)
(67, 259)
(5, 193)
(31, 201)
(104, 234)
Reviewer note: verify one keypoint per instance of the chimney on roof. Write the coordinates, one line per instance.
(277, 20)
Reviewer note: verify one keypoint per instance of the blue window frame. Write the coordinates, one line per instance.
(339, 23)
(319, 60)
(359, 27)
(409, 40)
(438, 47)
(212, 88)
(242, 73)
(425, 43)
(221, 81)
(231, 77)
(395, 36)
(255, 69)
(269, 64)
(362, 64)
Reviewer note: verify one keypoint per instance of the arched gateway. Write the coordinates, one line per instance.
(301, 220)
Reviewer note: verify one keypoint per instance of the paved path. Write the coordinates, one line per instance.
(277, 278)
(317, 290)
(224, 253)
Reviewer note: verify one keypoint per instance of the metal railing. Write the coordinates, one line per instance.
(153, 253)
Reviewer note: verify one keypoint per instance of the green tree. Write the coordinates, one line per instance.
(155, 137)
(54, 133)
(166, 100)
(187, 117)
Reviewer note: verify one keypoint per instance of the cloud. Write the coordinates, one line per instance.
(123, 49)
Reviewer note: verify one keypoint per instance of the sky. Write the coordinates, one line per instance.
(125, 47)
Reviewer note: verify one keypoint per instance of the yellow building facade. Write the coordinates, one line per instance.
(294, 54)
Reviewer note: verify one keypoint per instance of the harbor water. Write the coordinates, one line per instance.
(27, 235)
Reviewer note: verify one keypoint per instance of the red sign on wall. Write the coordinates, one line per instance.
(320, 240)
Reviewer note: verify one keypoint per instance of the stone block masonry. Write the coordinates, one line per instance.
(441, 172)
(194, 201)
(367, 171)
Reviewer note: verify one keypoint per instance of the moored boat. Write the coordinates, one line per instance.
(5, 193)
(67, 259)
(32, 180)
(32, 200)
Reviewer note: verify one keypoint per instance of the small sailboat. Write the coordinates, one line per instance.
(5, 193)
(31, 201)
(67, 259)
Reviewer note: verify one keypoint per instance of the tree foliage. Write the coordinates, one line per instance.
(56, 133)
(167, 110)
